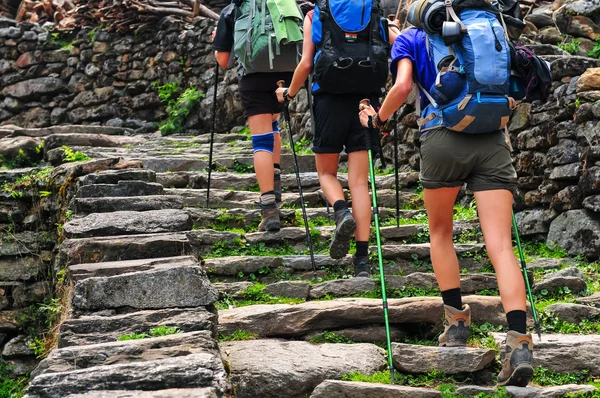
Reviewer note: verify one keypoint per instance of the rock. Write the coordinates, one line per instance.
(128, 222)
(22, 366)
(546, 263)
(163, 288)
(367, 334)
(567, 172)
(141, 203)
(114, 176)
(19, 268)
(94, 113)
(105, 329)
(207, 392)
(18, 347)
(533, 222)
(292, 369)
(569, 198)
(149, 349)
(285, 320)
(571, 65)
(233, 289)
(594, 299)
(35, 117)
(17, 147)
(35, 87)
(25, 295)
(570, 277)
(450, 360)
(95, 97)
(590, 181)
(565, 353)
(347, 389)
(232, 265)
(521, 117)
(549, 392)
(121, 189)
(573, 313)
(93, 140)
(83, 271)
(197, 370)
(577, 232)
(592, 203)
(293, 289)
(536, 138)
(472, 391)
(590, 80)
(102, 249)
(207, 237)
(549, 35)
(343, 287)
(567, 151)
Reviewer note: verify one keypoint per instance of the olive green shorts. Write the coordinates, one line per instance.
(482, 161)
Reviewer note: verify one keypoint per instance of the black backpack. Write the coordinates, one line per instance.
(533, 74)
(352, 47)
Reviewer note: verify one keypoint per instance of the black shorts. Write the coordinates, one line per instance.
(337, 125)
(258, 93)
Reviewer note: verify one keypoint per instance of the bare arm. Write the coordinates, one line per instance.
(397, 95)
(223, 58)
(306, 63)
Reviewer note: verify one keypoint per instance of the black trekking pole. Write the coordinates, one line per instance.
(396, 176)
(526, 277)
(212, 135)
(365, 103)
(286, 115)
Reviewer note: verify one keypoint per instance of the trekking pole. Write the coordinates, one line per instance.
(364, 103)
(526, 277)
(286, 115)
(212, 135)
(396, 174)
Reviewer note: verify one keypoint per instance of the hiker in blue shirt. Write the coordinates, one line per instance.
(450, 159)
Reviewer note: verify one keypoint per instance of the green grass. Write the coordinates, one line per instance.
(330, 337)
(255, 294)
(449, 391)
(547, 377)
(132, 336)
(377, 377)
(164, 331)
(238, 335)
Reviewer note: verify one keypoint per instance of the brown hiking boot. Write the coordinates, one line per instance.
(270, 218)
(517, 360)
(457, 325)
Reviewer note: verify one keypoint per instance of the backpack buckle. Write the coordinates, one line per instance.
(343, 63)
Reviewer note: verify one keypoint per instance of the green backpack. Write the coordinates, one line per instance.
(268, 35)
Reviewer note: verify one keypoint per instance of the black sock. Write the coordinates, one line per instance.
(362, 249)
(517, 321)
(340, 205)
(276, 166)
(452, 298)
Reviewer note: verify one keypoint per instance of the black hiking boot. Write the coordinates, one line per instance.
(517, 360)
(345, 226)
(457, 325)
(270, 217)
(362, 268)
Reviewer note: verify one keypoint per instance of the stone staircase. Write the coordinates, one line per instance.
(145, 255)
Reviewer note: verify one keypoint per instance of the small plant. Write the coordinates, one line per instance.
(383, 377)
(74, 156)
(178, 107)
(242, 167)
(572, 47)
(69, 215)
(132, 336)
(92, 35)
(10, 387)
(330, 337)
(238, 335)
(164, 331)
(595, 52)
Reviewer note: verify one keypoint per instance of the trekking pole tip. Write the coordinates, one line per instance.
(539, 331)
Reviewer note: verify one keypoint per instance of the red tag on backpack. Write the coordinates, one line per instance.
(351, 37)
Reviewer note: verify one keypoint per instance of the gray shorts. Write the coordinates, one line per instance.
(482, 161)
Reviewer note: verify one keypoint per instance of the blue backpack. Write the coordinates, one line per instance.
(471, 91)
(352, 47)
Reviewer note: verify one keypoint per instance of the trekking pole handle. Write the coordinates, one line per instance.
(364, 103)
(280, 83)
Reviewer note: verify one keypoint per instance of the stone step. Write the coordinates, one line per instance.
(120, 189)
(94, 270)
(530, 392)
(128, 222)
(68, 129)
(422, 250)
(564, 353)
(411, 358)
(191, 371)
(292, 369)
(85, 206)
(170, 287)
(349, 389)
(90, 140)
(114, 176)
(243, 182)
(107, 327)
(26, 242)
(284, 320)
(126, 247)
(220, 198)
(207, 392)
(148, 349)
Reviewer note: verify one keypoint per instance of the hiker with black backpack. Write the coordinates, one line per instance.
(346, 49)
(265, 37)
(462, 71)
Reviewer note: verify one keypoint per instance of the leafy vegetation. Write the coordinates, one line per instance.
(330, 337)
(178, 106)
(74, 156)
(572, 47)
(20, 160)
(595, 52)
(132, 336)
(164, 331)
(10, 387)
(255, 294)
(547, 377)
(238, 335)
(242, 168)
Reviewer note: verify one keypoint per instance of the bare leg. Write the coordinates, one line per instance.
(358, 173)
(440, 204)
(277, 148)
(495, 216)
(327, 167)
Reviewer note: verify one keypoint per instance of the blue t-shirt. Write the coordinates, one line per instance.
(412, 45)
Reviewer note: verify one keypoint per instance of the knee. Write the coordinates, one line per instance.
(441, 229)
(497, 247)
(263, 142)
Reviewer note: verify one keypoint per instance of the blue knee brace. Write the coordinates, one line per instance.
(275, 127)
(263, 142)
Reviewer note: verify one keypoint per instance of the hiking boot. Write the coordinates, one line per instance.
(270, 217)
(457, 325)
(517, 359)
(345, 226)
(362, 268)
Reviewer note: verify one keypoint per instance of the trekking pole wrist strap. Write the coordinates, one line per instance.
(287, 96)
(375, 122)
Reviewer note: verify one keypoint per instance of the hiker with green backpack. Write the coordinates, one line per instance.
(462, 71)
(265, 36)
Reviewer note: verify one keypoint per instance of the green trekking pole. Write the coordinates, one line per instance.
(363, 104)
(526, 277)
